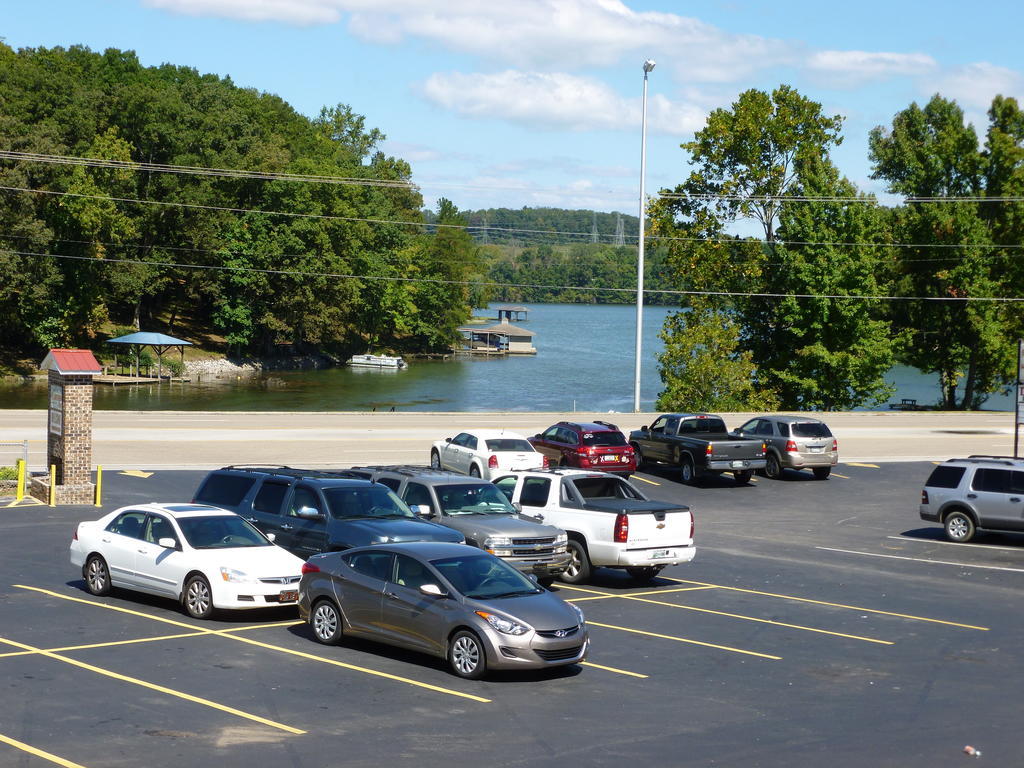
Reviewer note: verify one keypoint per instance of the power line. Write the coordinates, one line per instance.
(513, 230)
(492, 284)
(868, 200)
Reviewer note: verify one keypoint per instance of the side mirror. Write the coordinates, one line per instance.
(423, 510)
(537, 437)
(447, 439)
(643, 428)
(168, 543)
(532, 577)
(517, 506)
(433, 590)
(270, 536)
(308, 513)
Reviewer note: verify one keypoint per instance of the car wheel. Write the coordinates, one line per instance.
(466, 655)
(435, 460)
(772, 468)
(578, 569)
(822, 473)
(742, 478)
(959, 527)
(97, 576)
(326, 622)
(644, 574)
(686, 471)
(198, 598)
(474, 470)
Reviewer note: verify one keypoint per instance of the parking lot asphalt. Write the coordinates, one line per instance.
(822, 622)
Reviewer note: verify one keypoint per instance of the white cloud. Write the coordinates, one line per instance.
(853, 68)
(297, 12)
(554, 101)
(976, 84)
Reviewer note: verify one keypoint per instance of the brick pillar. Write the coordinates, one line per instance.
(69, 440)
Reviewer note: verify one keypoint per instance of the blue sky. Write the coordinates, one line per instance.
(537, 102)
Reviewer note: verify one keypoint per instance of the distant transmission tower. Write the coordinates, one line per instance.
(485, 239)
(593, 230)
(620, 233)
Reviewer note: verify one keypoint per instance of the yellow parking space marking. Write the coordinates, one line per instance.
(831, 605)
(136, 473)
(612, 669)
(606, 595)
(856, 464)
(154, 687)
(684, 640)
(27, 501)
(281, 649)
(836, 474)
(644, 480)
(39, 752)
(639, 599)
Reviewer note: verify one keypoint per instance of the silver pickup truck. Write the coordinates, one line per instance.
(697, 443)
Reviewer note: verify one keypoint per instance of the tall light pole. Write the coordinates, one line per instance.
(648, 66)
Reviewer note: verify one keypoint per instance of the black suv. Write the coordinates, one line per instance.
(311, 511)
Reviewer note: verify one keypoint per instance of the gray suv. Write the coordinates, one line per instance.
(976, 492)
(480, 512)
(794, 442)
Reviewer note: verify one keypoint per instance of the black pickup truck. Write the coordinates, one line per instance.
(697, 443)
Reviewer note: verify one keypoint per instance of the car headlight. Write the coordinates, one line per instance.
(500, 623)
(230, 574)
(499, 545)
(583, 619)
(562, 538)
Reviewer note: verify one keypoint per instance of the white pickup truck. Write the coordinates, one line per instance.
(610, 523)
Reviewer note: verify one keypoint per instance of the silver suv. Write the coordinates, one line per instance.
(794, 442)
(976, 492)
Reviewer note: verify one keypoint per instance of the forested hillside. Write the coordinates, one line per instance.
(257, 262)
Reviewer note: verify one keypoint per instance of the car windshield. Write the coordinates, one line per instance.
(348, 503)
(484, 577)
(473, 499)
(604, 438)
(605, 487)
(509, 444)
(223, 532)
(809, 429)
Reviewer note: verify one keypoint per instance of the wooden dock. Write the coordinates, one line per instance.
(113, 380)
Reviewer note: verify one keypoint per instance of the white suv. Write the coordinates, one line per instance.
(976, 492)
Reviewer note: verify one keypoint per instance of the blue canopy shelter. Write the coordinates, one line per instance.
(160, 342)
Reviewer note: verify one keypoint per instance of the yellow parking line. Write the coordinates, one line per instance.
(606, 595)
(836, 474)
(227, 633)
(644, 480)
(612, 669)
(856, 464)
(640, 599)
(39, 753)
(683, 640)
(832, 605)
(153, 686)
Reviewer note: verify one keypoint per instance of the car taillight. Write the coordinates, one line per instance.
(835, 444)
(75, 537)
(708, 449)
(547, 462)
(924, 497)
(621, 528)
(791, 447)
(310, 568)
(492, 463)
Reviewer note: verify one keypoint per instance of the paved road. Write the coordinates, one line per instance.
(822, 623)
(152, 440)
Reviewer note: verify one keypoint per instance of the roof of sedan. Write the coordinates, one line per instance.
(428, 550)
(492, 433)
(185, 509)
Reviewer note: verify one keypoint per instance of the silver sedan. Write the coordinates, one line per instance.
(448, 600)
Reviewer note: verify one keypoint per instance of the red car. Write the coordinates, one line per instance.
(588, 445)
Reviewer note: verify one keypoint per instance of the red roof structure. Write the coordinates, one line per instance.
(68, 362)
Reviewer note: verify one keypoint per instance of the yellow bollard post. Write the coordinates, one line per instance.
(19, 492)
(53, 486)
(99, 486)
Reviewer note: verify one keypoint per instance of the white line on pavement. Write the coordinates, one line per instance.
(954, 544)
(923, 560)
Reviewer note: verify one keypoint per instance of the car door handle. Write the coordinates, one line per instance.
(143, 551)
(972, 495)
(1015, 498)
(250, 519)
(286, 527)
(391, 595)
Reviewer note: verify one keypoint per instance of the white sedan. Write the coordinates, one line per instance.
(202, 556)
(484, 452)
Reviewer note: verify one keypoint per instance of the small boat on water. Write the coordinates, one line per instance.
(376, 361)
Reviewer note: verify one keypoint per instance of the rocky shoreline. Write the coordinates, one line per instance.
(224, 367)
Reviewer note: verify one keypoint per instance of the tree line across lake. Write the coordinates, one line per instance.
(810, 315)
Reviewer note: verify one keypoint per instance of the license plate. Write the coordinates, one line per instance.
(610, 458)
(660, 554)
(738, 464)
(816, 448)
(289, 596)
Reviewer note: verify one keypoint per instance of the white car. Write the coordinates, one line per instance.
(485, 452)
(202, 556)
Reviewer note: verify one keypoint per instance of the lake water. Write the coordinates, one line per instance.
(584, 362)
